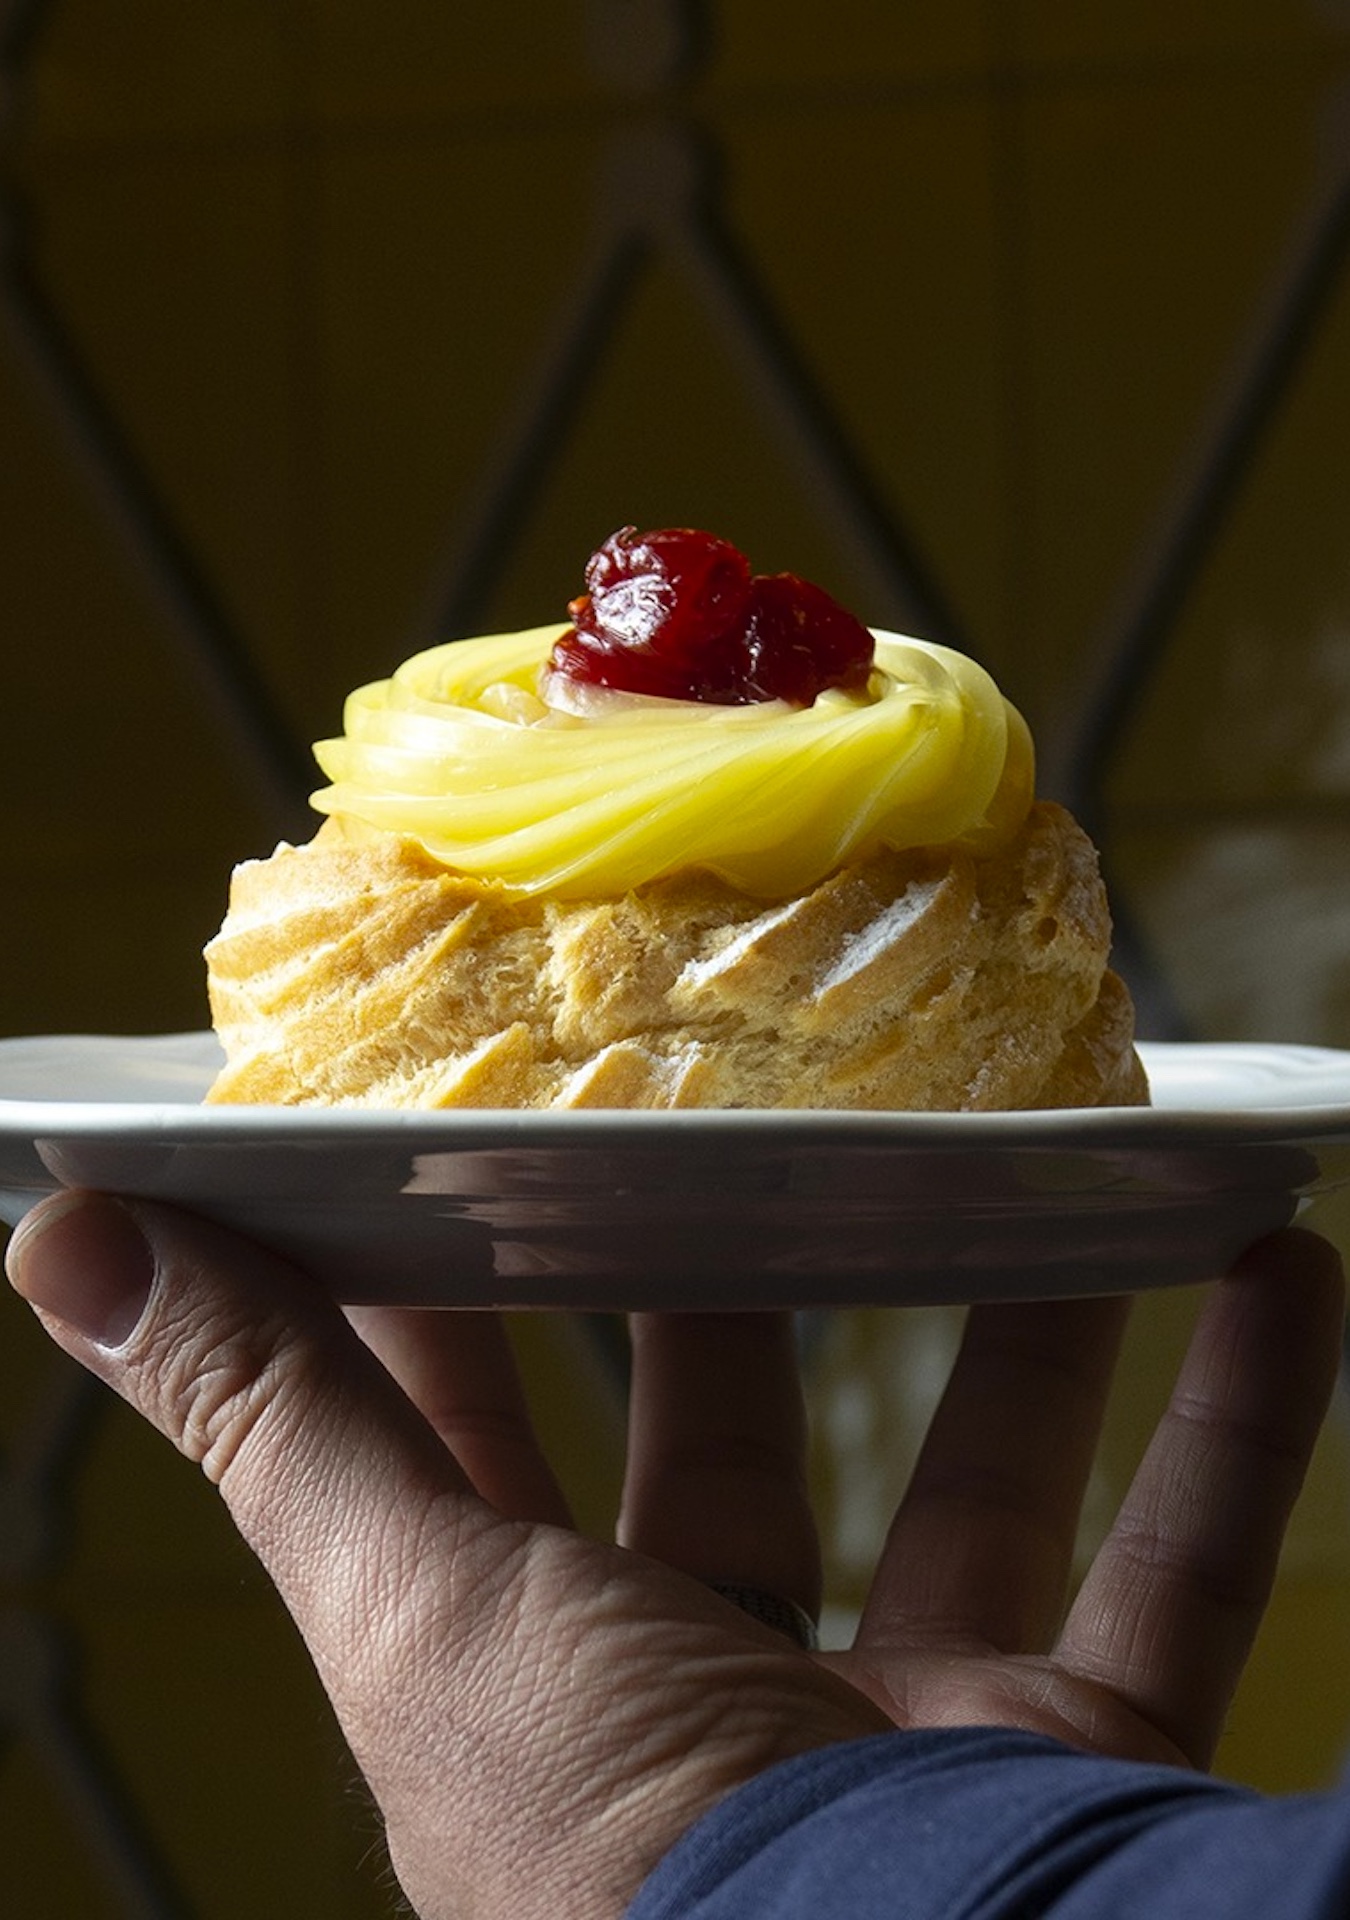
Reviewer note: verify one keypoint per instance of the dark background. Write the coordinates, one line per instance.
(329, 329)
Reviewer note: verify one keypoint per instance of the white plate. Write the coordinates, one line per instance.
(629, 1210)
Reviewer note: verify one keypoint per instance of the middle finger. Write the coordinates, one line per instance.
(981, 1547)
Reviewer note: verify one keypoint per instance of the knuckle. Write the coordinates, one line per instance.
(214, 1378)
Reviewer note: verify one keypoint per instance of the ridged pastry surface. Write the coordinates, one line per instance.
(929, 979)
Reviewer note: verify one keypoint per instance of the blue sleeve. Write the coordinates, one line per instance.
(984, 1824)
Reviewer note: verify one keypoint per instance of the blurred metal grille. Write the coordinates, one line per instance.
(660, 196)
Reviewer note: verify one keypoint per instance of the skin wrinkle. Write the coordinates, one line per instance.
(754, 1477)
(241, 1397)
(986, 1618)
(625, 1743)
(214, 1390)
(1014, 1691)
(967, 1518)
(731, 1717)
(1280, 1444)
(729, 1453)
(1155, 1560)
(328, 1481)
(1137, 1641)
(1178, 1530)
(455, 1584)
(354, 1587)
(422, 1713)
(1147, 1669)
(461, 1374)
(1142, 1647)
(1248, 1315)
(541, 1716)
(716, 1480)
(989, 1493)
(548, 1631)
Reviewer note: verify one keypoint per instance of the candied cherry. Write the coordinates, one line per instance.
(678, 614)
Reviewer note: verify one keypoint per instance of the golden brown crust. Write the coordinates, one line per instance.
(369, 975)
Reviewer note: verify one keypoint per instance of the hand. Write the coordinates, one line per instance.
(541, 1716)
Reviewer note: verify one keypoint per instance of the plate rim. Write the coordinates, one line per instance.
(1104, 1200)
(1136, 1127)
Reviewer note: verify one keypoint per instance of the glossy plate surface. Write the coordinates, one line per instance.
(681, 1210)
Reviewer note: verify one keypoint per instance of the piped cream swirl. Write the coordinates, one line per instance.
(459, 751)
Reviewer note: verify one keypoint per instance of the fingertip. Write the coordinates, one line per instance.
(81, 1261)
(1296, 1257)
(1274, 1329)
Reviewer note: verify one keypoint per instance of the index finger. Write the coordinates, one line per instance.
(460, 1372)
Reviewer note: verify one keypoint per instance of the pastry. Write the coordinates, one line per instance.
(772, 860)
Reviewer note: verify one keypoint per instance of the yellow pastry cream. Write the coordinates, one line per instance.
(505, 770)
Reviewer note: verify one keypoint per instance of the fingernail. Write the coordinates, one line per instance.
(82, 1259)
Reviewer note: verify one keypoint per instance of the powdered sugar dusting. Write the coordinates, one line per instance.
(696, 972)
(862, 948)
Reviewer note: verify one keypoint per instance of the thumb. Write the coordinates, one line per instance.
(363, 1520)
(247, 1367)
(538, 1716)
